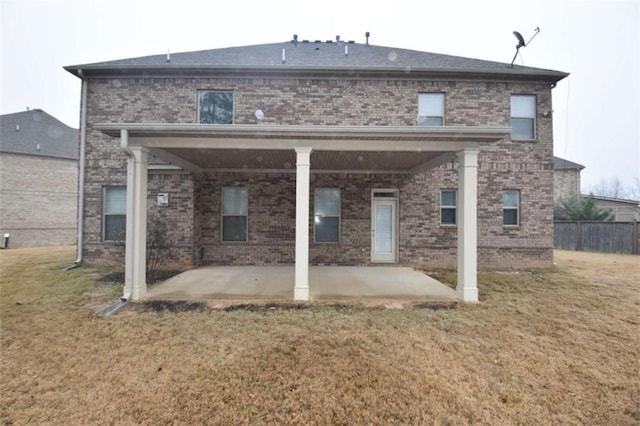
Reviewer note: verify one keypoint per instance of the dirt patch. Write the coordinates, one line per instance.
(152, 277)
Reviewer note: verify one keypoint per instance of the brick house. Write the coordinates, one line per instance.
(323, 153)
(566, 179)
(38, 180)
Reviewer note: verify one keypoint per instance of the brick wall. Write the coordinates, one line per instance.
(38, 200)
(507, 165)
(566, 184)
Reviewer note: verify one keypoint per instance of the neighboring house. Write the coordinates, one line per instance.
(38, 180)
(566, 179)
(321, 153)
(566, 185)
(623, 210)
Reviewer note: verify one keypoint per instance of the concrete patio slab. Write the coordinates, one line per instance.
(277, 282)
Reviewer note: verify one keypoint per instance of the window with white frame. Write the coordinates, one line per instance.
(448, 206)
(523, 117)
(326, 217)
(431, 109)
(511, 208)
(114, 213)
(235, 209)
(215, 107)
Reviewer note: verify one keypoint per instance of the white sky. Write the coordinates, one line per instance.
(596, 109)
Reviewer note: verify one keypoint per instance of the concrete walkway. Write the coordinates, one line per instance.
(325, 283)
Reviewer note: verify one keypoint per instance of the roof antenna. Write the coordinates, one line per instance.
(521, 43)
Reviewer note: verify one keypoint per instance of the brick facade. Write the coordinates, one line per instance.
(194, 212)
(38, 204)
(566, 184)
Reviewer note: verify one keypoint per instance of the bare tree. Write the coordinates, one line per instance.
(634, 189)
(613, 188)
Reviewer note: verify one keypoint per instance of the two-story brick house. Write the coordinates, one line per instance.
(311, 152)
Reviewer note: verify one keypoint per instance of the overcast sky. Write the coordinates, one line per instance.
(596, 109)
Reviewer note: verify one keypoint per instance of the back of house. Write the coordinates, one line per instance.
(346, 153)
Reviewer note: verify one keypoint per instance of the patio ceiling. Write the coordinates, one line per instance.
(253, 159)
(391, 149)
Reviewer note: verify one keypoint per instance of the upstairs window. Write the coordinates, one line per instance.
(523, 117)
(326, 217)
(511, 208)
(215, 107)
(235, 209)
(114, 213)
(431, 109)
(448, 206)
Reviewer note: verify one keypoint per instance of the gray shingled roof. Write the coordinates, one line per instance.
(317, 56)
(562, 164)
(35, 132)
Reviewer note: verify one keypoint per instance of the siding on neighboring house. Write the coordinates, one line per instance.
(623, 210)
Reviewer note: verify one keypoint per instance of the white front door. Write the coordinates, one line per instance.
(384, 229)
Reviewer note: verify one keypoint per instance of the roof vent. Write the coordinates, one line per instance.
(318, 41)
(38, 147)
(337, 39)
(17, 127)
(168, 56)
(295, 40)
(367, 34)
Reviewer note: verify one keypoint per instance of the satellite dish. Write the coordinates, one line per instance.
(521, 43)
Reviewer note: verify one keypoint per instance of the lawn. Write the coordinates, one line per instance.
(554, 347)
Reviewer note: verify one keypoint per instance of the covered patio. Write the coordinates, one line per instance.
(337, 149)
(277, 283)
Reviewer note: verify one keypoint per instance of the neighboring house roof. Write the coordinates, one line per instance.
(634, 203)
(34, 132)
(329, 57)
(562, 164)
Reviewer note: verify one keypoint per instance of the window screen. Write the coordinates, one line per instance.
(114, 213)
(523, 112)
(327, 215)
(235, 209)
(431, 109)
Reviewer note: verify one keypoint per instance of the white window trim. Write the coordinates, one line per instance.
(455, 207)
(233, 103)
(444, 108)
(339, 218)
(222, 216)
(104, 214)
(535, 121)
(517, 209)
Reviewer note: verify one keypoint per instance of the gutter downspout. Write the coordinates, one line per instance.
(128, 271)
(81, 171)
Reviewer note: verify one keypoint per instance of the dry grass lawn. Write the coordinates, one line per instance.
(557, 347)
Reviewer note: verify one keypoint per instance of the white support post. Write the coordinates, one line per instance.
(303, 164)
(139, 231)
(128, 246)
(467, 287)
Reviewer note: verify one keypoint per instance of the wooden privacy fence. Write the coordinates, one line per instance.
(610, 237)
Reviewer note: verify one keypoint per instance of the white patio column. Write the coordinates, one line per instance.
(139, 231)
(303, 163)
(467, 286)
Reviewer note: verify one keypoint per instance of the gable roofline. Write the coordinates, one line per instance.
(36, 133)
(562, 164)
(343, 60)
